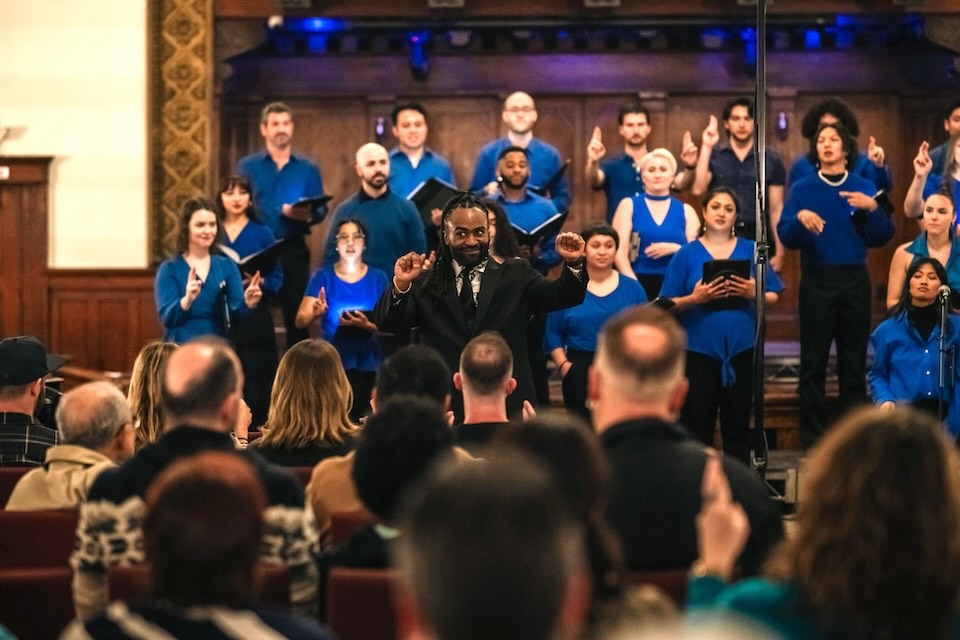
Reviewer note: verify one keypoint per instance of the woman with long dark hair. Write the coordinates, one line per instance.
(198, 293)
(906, 348)
(503, 241)
(876, 548)
(254, 338)
(832, 218)
(720, 318)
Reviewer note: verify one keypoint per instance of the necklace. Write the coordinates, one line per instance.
(843, 178)
(656, 198)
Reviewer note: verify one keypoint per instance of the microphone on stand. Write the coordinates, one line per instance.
(943, 294)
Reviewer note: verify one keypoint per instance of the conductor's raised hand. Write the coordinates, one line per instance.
(408, 267)
(570, 246)
(711, 135)
(922, 163)
(596, 150)
(253, 292)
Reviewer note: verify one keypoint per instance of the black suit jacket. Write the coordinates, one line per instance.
(655, 496)
(509, 294)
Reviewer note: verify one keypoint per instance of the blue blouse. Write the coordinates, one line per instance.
(919, 249)
(252, 238)
(205, 315)
(932, 185)
(577, 327)
(362, 354)
(906, 367)
(672, 229)
(718, 333)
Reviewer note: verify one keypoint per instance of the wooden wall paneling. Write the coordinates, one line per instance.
(23, 246)
(460, 126)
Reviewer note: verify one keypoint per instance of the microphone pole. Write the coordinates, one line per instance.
(759, 452)
(943, 298)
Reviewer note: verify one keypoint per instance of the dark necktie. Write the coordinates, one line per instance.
(466, 296)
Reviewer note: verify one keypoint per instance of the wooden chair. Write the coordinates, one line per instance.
(131, 583)
(673, 582)
(302, 473)
(343, 524)
(36, 603)
(34, 539)
(360, 604)
(8, 479)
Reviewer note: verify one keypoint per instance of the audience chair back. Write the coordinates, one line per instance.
(344, 524)
(360, 604)
(8, 480)
(36, 603)
(35, 539)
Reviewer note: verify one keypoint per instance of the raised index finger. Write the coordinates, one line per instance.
(597, 134)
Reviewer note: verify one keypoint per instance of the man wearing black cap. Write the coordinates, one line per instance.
(24, 362)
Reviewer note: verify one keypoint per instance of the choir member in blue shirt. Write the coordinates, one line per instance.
(571, 336)
(196, 290)
(525, 209)
(412, 162)
(255, 339)
(546, 163)
(620, 176)
(280, 178)
(832, 219)
(951, 124)
(870, 165)
(339, 295)
(654, 225)
(928, 178)
(720, 341)
(906, 349)
(937, 240)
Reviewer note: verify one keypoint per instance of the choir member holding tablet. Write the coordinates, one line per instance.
(653, 225)
(711, 281)
(344, 295)
(198, 293)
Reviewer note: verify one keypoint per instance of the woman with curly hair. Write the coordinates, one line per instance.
(309, 411)
(143, 394)
(876, 552)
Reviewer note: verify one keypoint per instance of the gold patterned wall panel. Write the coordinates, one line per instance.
(181, 103)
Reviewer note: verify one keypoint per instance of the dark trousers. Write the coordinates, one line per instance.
(707, 396)
(575, 383)
(256, 345)
(295, 260)
(536, 328)
(834, 305)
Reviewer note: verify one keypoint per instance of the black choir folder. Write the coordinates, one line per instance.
(724, 269)
(264, 261)
(546, 229)
(432, 193)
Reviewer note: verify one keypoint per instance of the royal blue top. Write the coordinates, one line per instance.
(840, 243)
(879, 176)
(906, 367)
(205, 316)
(394, 228)
(362, 354)
(274, 188)
(527, 214)
(621, 179)
(933, 183)
(673, 229)
(252, 238)
(718, 333)
(404, 177)
(919, 249)
(577, 327)
(741, 176)
(544, 160)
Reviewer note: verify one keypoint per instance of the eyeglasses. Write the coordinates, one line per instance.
(344, 237)
(520, 110)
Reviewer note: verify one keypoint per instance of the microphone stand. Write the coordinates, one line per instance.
(945, 356)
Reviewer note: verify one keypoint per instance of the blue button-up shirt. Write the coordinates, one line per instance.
(621, 179)
(527, 214)
(741, 176)
(404, 177)
(545, 162)
(273, 188)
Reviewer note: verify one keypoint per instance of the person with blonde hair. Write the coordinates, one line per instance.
(653, 225)
(143, 394)
(308, 419)
(876, 551)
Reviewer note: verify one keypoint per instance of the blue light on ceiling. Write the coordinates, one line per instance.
(316, 25)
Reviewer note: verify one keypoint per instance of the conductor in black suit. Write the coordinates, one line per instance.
(429, 293)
